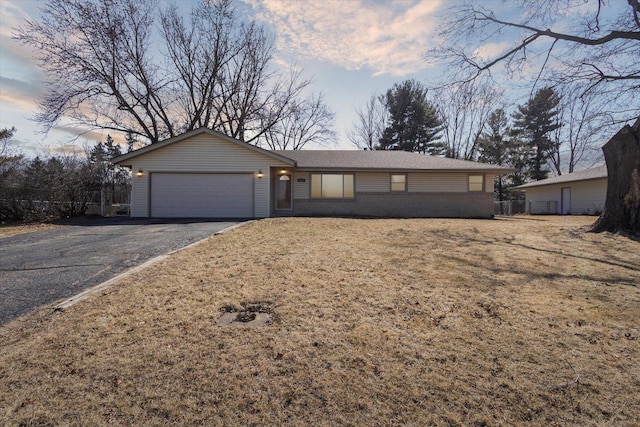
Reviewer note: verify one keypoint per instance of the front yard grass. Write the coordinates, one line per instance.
(513, 321)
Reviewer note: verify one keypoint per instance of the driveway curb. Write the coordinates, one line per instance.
(107, 284)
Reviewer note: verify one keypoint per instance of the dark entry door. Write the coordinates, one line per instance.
(283, 191)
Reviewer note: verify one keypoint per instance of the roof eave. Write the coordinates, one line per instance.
(369, 169)
(535, 184)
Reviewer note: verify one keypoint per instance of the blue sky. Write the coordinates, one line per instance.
(350, 49)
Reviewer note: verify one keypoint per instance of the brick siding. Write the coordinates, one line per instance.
(405, 205)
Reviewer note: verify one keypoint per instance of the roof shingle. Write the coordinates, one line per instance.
(592, 173)
(382, 160)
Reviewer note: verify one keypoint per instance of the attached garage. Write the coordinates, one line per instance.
(201, 174)
(201, 195)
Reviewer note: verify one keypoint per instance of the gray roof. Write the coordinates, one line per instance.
(328, 160)
(382, 160)
(584, 175)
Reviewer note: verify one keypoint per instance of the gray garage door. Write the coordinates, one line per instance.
(201, 195)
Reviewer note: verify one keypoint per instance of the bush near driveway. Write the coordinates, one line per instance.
(515, 321)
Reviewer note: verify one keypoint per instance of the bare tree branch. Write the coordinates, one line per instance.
(465, 109)
(598, 51)
(307, 122)
(371, 121)
(108, 69)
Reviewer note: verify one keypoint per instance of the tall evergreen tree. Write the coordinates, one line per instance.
(534, 123)
(131, 140)
(496, 148)
(414, 123)
(104, 173)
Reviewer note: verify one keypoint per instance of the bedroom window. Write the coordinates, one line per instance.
(332, 186)
(476, 182)
(399, 182)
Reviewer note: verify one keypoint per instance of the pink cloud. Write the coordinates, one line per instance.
(387, 37)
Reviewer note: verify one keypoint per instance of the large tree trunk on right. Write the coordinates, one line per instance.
(622, 205)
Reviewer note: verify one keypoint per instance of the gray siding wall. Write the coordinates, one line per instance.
(402, 205)
(202, 153)
(372, 182)
(301, 188)
(438, 182)
(417, 182)
(489, 183)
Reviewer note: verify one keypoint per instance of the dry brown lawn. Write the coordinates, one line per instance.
(13, 230)
(515, 321)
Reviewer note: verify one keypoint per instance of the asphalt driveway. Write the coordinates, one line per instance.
(42, 267)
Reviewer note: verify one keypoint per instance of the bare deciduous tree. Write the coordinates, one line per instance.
(5, 136)
(9, 159)
(97, 56)
(370, 123)
(108, 69)
(465, 109)
(581, 130)
(309, 121)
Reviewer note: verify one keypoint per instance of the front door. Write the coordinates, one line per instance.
(283, 190)
(565, 204)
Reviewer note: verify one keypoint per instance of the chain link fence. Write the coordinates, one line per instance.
(509, 207)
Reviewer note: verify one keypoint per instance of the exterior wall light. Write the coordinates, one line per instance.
(139, 173)
(260, 175)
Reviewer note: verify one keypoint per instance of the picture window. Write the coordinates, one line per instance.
(332, 186)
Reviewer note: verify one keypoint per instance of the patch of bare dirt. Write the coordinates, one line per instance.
(515, 321)
(248, 315)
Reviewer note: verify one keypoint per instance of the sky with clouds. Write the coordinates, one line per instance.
(350, 48)
(381, 37)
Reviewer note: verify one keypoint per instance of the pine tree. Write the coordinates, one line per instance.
(534, 123)
(414, 123)
(131, 140)
(495, 147)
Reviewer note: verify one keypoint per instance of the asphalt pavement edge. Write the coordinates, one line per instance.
(108, 283)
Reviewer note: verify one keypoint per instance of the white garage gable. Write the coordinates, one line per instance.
(202, 195)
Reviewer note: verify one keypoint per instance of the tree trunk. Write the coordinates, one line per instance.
(622, 206)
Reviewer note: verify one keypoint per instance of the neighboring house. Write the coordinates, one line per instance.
(206, 174)
(577, 193)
